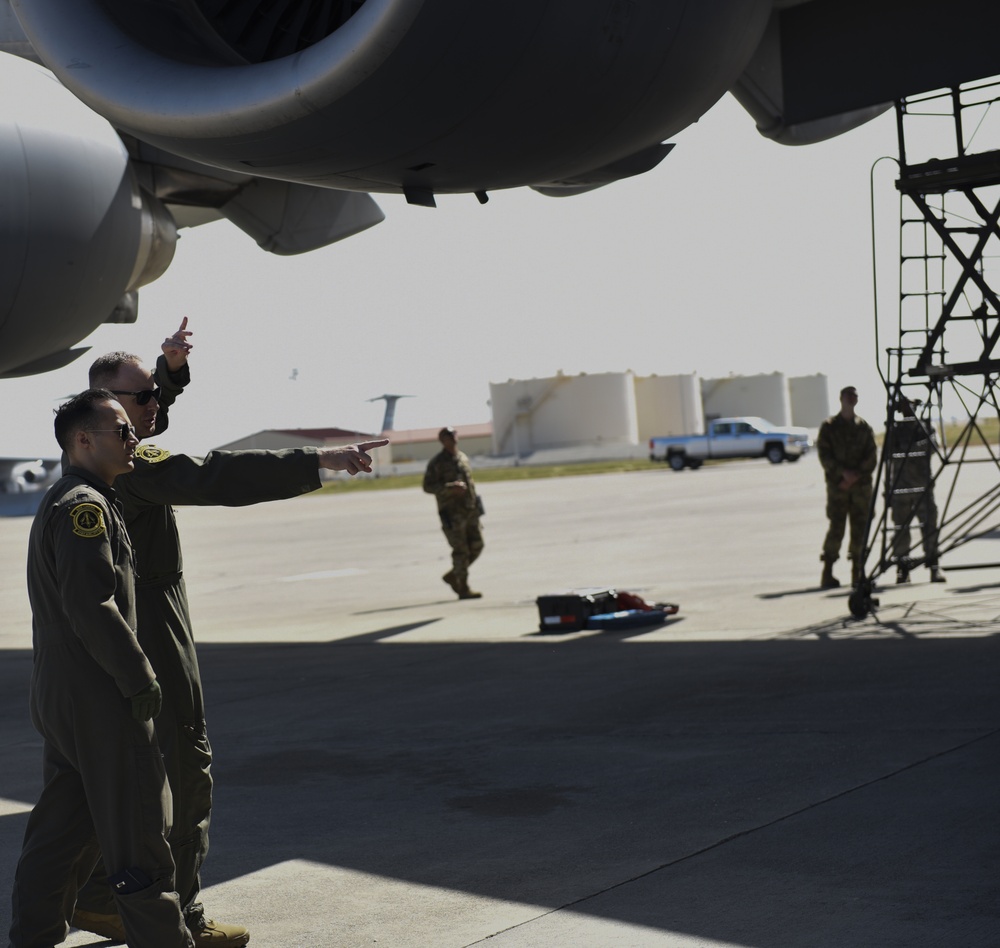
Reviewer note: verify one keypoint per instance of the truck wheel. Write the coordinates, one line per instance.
(676, 461)
(775, 453)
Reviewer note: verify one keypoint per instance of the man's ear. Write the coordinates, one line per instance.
(82, 440)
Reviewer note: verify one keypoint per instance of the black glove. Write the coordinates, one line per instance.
(146, 704)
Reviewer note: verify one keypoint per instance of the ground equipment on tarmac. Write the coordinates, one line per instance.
(598, 607)
(940, 482)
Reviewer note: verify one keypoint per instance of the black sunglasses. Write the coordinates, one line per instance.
(125, 430)
(143, 397)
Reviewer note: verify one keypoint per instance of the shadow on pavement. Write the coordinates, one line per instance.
(792, 592)
(805, 791)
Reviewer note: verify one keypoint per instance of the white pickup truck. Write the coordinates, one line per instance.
(732, 438)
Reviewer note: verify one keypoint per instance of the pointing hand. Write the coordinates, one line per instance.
(176, 347)
(352, 458)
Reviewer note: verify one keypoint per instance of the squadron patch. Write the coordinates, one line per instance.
(151, 453)
(88, 520)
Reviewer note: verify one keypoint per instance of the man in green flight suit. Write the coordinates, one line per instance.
(846, 448)
(93, 695)
(449, 478)
(160, 481)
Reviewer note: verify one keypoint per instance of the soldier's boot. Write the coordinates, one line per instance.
(208, 934)
(902, 575)
(107, 926)
(211, 934)
(937, 575)
(450, 579)
(828, 580)
(466, 593)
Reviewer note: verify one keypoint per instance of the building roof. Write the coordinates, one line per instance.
(344, 435)
(420, 435)
(325, 434)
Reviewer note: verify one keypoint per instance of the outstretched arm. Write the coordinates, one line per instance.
(237, 478)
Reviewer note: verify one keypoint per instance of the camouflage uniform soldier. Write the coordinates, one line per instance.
(449, 478)
(911, 492)
(93, 695)
(846, 447)
(148, 495)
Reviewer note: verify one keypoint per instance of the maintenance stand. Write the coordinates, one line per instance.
(942, 479)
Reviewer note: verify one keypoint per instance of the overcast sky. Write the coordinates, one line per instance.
(735, 255)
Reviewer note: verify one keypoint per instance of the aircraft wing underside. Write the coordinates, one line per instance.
(284, 118)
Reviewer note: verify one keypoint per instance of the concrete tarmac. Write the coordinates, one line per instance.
(397, 768)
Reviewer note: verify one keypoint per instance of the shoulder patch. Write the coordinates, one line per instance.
(151, 453)
(88, 520)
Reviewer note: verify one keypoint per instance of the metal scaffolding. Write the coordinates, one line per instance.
(937, 486)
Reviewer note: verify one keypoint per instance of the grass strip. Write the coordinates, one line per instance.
(488, 474)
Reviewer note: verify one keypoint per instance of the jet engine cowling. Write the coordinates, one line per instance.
(76, 231)
(418, 96)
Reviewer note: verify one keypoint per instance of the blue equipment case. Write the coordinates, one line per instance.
(627, 619)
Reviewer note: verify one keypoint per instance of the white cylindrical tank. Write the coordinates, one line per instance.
(810, 397)
(668, 405)
(765, 396)
(563, 411)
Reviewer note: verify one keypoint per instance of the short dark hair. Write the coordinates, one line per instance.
(107, 366)
(79, 412)
(846, 389)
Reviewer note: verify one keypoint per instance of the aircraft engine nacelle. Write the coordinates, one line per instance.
(25, 476)
(418, 96)
(77, 234)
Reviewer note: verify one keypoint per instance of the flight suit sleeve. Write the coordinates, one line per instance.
(869, 460)
(171, 385)
(89, 585)
(221, 478)
(827, 456)
(436, 476)
(465, 469)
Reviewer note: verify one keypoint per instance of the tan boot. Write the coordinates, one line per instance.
(466, 593)
(219, 935)
(208, 935)
(107, 926)
(828, 580)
